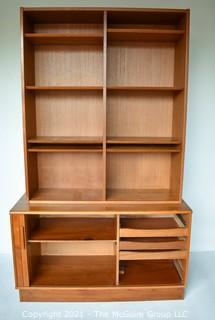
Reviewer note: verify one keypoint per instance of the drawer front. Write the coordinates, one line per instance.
(149, 244)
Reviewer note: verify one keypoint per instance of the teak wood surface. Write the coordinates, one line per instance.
(104, 96)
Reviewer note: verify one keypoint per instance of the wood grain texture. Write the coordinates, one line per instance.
(23, 206)
(75, 271)
(59, 65)
(127, 64)
(74, 229)
(137, 293)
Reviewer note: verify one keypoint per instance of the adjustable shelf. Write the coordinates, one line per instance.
(64, 38)
(104, 114)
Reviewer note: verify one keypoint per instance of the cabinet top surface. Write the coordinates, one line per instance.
(104, 8)
(23, 207)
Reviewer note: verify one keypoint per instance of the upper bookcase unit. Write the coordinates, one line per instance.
(104, 104)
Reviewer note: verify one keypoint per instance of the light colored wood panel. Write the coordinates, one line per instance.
(140, 114)
(61, 195)
(69, 114)
(23, 206)
(66, 170)
(52, 140)
(152, 245)
(150, 64)
(129, 293)
(84, 248)
(66, 65)
(138, 171)
(74, 28)
(134, 255)
(175, 232)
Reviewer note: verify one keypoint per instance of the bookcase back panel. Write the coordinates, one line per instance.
(167, 20)
(68, 65)
(143, 64)
(142, 114)
(138, 171)
(69, 114)
(66, 170)
(73, 28)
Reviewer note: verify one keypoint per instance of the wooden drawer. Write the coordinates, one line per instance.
(153, 226)
(168, 243)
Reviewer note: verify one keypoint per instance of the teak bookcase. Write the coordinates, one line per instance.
(104, 117)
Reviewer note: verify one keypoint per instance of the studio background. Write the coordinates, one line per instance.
(199, 174)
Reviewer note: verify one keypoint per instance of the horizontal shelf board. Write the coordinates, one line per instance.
(64, 148)
(157, 255)
(74, 271)
(65, 140)
(64, 88)
(151, 273)
(23, 206)
(61, 195)
(147, 149)
(65, 38)
(141, 195)
(74, 229)
(143, 140)
(150, 223)
(138, 34)
(143, 88)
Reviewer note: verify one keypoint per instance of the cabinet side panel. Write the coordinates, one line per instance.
(19, 250)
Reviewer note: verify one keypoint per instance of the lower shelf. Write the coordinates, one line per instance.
(149, 273)
(74, 271)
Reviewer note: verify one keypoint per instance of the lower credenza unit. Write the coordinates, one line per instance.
(100, 252)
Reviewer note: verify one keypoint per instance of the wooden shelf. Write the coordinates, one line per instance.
(147, 148)
(162, 195)
(74, 229)
(64, 88)
(48, 195)
(143, 140)
(138, 34)
(65, 140)
(65, 38)
(149, 273)
(64, 148)
(74, 271)
(142, 88)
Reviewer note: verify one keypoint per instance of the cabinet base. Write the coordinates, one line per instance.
(101, 294)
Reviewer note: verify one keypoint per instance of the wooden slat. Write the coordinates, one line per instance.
(176, 232)
(78, 248)
(65, 38)
(150, 245)
(132, 255)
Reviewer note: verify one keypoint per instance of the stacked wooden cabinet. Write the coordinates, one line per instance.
(104, 116)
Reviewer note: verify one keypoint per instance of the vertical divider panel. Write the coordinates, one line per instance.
(104, 102)
(117, 247)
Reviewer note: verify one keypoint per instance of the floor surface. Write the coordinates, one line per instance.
(199, 303)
